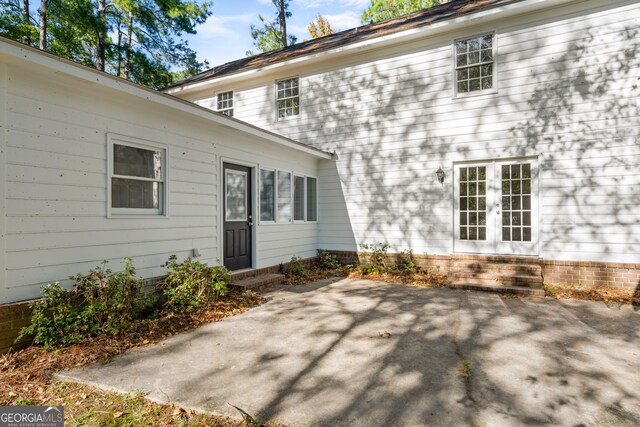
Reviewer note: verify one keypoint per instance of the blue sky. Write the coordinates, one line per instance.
(226, 34)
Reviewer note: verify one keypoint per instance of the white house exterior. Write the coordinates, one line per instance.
(540, 161)
(527, 110)
(94, 167)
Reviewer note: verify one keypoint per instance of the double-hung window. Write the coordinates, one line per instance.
(474, 64)
(137, 181)
(287, 197)
(288, 98)
(225, 103)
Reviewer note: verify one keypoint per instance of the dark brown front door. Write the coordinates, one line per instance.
(237, 216)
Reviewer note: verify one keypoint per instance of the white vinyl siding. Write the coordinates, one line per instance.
(567, 95)
(56, 180)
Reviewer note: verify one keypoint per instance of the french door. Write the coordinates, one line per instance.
(496, 207)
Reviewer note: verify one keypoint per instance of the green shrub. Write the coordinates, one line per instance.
(375, 257)
(405, 263)
(328, 260)
(295, 268)
(100, 302)
(190, 284)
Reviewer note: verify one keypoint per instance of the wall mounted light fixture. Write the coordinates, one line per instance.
(440, 175)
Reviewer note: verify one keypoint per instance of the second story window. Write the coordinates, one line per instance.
(474, 64)
(288, 98)
(225, 103)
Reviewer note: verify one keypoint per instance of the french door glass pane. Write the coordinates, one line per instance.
(516, 202)
(236, 195)
(473, 203)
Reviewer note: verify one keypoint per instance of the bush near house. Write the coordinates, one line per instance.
(190, 284)
(102, 302)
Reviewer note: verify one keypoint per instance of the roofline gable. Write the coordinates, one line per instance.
(19, 52)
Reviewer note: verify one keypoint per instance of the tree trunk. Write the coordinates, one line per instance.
(282, 17)
(26, 38)
(43, 23)
(127, 61)
(119, 46)
(102, 35)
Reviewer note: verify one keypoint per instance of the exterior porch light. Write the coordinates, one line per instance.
(440, 175)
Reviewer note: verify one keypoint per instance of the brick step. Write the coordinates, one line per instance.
(513, 290)
(491, 280)
(474, 266)
(257, 282)
(496, 259)
(519, 280)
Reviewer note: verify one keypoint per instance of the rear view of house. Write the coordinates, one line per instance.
(473, 133)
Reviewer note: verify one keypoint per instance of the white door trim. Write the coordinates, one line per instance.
(492, 222)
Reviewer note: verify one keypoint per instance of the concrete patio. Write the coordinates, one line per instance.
(361, 353)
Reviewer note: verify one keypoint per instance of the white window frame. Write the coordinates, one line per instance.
(299, 96)
(233, 103)
(163, 210)
(494, 51)
(275, 195)
(293, 175)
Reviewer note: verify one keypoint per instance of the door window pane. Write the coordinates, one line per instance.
(267, 195)
(235, 195)
(284, 196)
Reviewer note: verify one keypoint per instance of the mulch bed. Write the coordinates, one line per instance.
(607, 294)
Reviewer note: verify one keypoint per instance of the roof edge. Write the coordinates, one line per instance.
(39, 57)
(442, 24)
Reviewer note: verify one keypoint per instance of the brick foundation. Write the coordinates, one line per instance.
(12, 318)
(591, 274)
(587, 274)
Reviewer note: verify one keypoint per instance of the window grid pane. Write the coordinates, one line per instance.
(225, 103)
(312, 199)
(516, 202)
(474, 64)
(267, 195)
(298, 198)
(284, 196)
(288, 98)
(473, 203)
